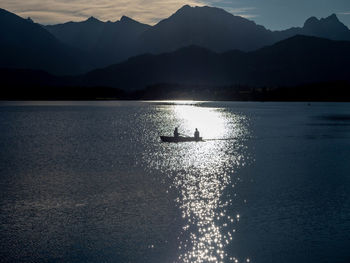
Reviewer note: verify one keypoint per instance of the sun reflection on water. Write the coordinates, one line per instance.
(200, 172)
(208, 122)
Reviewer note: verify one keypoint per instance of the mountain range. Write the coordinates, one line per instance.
(294, 61)
(289, 62)
(77, 47)
(106, 42)
(24, 44)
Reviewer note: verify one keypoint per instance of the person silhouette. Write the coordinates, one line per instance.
(196, 135)
(176, 133)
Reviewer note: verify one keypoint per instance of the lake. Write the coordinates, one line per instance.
(91, 182)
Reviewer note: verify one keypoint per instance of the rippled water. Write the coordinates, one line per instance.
(91, 182)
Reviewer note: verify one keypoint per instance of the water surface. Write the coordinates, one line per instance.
(91, 182)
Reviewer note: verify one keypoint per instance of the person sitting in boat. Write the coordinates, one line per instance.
(176, 133)
(196, 134)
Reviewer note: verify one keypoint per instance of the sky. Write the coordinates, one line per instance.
(273, 14)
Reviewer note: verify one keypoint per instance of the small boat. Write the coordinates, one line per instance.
(180, 139)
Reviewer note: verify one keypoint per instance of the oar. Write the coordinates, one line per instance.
(223, 139)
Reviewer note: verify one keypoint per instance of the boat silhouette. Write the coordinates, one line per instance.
(180, 139)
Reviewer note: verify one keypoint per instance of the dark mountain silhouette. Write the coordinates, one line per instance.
(217, 30)
(108, 42)
(300, 59)
(24, 44)
(208, 27)
(329, 27)
(27, 84)
(31, 78)
(299, 68)
(75, 47)
(83, 35)
(297, 60)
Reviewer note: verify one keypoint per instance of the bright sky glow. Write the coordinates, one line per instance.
(270, 13)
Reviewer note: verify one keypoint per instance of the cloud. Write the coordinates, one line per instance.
(344, 13)
(228, 5)
(58, 11)
(242, 11)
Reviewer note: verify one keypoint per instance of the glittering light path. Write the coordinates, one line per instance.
(200, 172)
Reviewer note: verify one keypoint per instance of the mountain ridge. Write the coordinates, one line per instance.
(292, 69)
(209, 27)
(295, 60)
(100, 44)
(107, 42)
(25, 44)
(298, 68)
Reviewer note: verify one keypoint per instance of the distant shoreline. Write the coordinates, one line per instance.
(313, 92)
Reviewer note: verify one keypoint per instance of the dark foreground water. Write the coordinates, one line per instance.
(91, 182)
